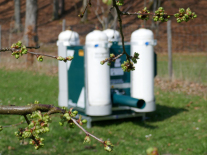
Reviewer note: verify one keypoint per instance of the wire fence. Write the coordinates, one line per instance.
(184, 38)
(189, 45)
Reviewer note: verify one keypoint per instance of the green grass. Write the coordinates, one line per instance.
(190, 67)
(174, 128)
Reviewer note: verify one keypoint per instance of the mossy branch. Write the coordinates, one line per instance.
(29, 109)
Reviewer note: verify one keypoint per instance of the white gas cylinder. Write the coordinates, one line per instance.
(65, 38)
(69, 37)
(113, 35)
(98, 78)
(142, 78)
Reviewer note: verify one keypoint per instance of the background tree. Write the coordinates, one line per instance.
(85, 16)
(61, 7)
(106, 17)
(17, 15)
(30, 32)
(55, 10)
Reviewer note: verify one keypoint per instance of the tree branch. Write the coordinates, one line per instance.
(28, 109)
(121, 31)
(86, 132)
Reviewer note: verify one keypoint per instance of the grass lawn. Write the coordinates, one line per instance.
(173, 128)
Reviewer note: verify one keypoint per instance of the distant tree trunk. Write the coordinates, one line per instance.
(61, 7)
(31, 27)
(85, 17)
(17, 15)
(55, 9)
(154, 9)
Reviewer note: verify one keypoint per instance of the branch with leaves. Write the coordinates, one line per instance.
(158, 16)
(38, 118)
(18, 50)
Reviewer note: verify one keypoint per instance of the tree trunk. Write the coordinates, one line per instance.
(55, 9)
(17, 15)
(85, 17)
(61, 7)
(31, 27)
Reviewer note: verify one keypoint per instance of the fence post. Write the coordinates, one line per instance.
(169, 39)
(63, 25)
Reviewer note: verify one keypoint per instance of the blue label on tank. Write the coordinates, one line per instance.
(96, 45)
(147, 43)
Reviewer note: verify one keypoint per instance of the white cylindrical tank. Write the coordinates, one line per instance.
(97, 75)
(69, 37)
(65, 38)
(142, 78)
(113, 35)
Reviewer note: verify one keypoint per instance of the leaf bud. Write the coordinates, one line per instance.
(66, 114)
(134, 60)
(31, 125)
(17, 55)
(112, 55)
(19, 43)
(41, 144)
(87, 139)
(186, 15)
(36, 102)
(108, 148)
(60, 58)
(16, 133)
(179, 20)
(75, 112)
(176, 15)
(1, 128)
(70, 58)
(37, 131)
(31, 142)
(108, 143)
(24, 51)
(84, 121)
(136, 55)
(181, 10)
(195, 16)
(36, 147)
(61, 124)
(13, 45)
(71, 125)
(161, 9)
(40, 58)
(42, 139)
(102, 62)
(109, 64)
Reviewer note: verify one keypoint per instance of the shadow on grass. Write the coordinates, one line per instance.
(162, 112)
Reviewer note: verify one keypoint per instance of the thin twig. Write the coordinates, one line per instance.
(86, 132)
(33, 47)
(121, 31)
(25, 117)
(7, 126)
(42, 54)
(28, 122)
(136, 13)
(89, 3)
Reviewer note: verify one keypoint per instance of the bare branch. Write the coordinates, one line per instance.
(28, 109)
(86, 132)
